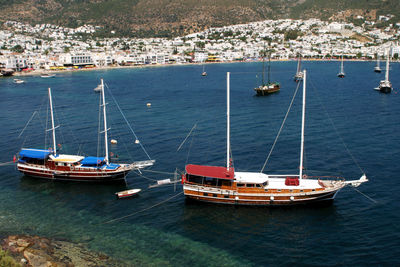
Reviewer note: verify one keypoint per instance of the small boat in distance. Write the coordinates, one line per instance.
(385, 86)
(47, 75)
(223, 185)
(269, 87)
(341, 73)
(97, 88)
(204, 73)
(49, 164)
(377, 68)
(18, 81)
(299, 74)
(128, 193)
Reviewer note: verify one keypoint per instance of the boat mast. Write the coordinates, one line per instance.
(341, 66)
(298, 64)
(105, 122)
(303, 118)
(269, 68)
(228, 145)
(263, 70)
(52, 123)
(387, 67)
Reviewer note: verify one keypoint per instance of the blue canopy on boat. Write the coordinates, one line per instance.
(92, 161)
(35, 153)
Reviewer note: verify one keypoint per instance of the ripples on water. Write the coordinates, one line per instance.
(353, 231)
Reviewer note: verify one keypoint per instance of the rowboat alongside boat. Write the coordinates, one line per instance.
(128, 193)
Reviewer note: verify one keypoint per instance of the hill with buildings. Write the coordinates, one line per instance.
(167, 18)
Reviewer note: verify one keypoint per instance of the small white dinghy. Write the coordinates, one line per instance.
(128, 193)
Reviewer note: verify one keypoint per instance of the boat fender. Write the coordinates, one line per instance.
(291, 198)
(271, 198)
(236, 198)
(183, 178)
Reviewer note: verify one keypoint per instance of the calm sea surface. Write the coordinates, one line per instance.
(159, 228)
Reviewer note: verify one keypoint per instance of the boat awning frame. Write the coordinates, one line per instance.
(211, 171)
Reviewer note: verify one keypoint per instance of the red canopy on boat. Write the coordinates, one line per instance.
(210, 171)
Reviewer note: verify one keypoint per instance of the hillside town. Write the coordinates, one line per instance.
(25, 48)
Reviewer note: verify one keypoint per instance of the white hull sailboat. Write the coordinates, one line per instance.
(385, 86)
(299, 74)
(48, 164)
(341, 73)
(377, 68)
(223, 185)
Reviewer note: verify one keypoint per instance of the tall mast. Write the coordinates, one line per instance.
(263, 70)
(228, 144)
(269, 68)
(341, 66)
(298, 64)
(52, 123)
(303, 118)
(387, 66)
(105, 122)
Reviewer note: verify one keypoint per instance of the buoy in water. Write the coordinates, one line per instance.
(148, 105)
(113, 141)
(137, 141)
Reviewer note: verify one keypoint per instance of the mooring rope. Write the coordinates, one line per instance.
(7, 163)
(364, 195)
(155, 205)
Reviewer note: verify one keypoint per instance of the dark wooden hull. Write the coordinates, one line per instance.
(89, 176)
(267, 91)
(385, 89)
(283, 200)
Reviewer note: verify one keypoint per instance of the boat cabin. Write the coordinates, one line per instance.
(209, 175)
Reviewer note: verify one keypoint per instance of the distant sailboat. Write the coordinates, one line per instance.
(299, 74)
(385, 86)
(341, 74)
(377, 67)
(269, 87)
(204, 73)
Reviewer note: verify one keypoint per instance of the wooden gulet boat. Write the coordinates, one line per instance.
(223, 185)
(269, 87)
(48, 164)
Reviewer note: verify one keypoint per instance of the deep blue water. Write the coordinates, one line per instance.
(353, 231)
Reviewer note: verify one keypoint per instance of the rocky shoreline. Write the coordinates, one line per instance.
(38, 251)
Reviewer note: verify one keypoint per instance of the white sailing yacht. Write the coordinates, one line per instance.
(223, 185)
(377, 68)
(341, 73)
(385, 86)
(299, 74)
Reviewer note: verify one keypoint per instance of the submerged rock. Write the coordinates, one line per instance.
(38, 251)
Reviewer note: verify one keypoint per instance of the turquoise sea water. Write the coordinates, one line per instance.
(149, 230)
